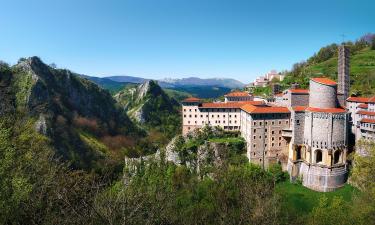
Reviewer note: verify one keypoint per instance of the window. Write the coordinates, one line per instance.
(298, 152)
(254, 136)
(273, 132)
(184, 115)
(184, 110)
(297, 122)
(195, 110)
(255, 130)
(189, 110)
(318, 156)
(195, 116)
(190, 116)
(336, 157)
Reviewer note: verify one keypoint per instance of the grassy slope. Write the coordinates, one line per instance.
(362, 71)
(297, 199)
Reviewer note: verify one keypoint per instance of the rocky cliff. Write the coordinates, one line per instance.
(74, 112)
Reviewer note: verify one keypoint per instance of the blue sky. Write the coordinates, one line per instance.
(178, 38)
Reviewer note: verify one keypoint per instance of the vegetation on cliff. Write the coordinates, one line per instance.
(148, 105)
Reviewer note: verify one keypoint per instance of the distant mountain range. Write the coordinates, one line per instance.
(170, 82)
(202, 88)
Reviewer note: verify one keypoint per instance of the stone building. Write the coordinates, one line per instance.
(318, 147)
(305, 130)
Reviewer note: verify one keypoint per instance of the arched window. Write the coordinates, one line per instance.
(336, 157)
(318, 156)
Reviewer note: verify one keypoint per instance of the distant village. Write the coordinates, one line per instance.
(309, 132)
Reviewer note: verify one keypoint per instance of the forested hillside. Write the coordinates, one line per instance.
(324, 63)
(81, 120)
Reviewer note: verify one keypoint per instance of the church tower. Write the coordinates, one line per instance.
(343, 74)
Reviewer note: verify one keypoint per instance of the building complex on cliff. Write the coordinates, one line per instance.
(307, 131)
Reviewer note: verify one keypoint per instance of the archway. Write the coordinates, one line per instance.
(318, 156)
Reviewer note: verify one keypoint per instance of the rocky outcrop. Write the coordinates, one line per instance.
(147, 102)
(62, 104)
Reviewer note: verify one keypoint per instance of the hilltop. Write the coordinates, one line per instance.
(324, 63)
(81, 119)
(151, 107)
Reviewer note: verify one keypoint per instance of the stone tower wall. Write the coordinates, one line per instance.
(322, 96)
(343, 73)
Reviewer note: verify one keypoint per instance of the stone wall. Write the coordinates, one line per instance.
(322, 96)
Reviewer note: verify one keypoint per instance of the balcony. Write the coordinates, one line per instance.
(287, 133)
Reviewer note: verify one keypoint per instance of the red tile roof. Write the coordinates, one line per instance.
(365, 120)
(328, 110)
(264, 109)
(191, 99)
(363, 106)
(279, 95)
(229, 104)
(362, 112)
(372, 100)
(238, 94)
(299, 108)
(299, 91)
(323, 80)
(358, 99)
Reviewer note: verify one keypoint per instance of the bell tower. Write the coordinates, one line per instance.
(343, 70)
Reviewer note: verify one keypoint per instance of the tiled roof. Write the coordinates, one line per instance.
(328, 110)
(323, 80)
(299, 91)
(264, 109)
(365, 120)
(358, 99)
(372, 100)
(362, 112)
(363, 106)
(279, 95)
(229, 104)
(299, 108)
(191, 99)
(238, 94)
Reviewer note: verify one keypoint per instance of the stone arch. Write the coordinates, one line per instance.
(337, 157)
(318, 156)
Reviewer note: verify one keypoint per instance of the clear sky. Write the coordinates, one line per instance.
(177, 38)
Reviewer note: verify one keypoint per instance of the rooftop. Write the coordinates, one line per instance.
(299, 91)
(299, 108)
(358, 99)
(238, 94)
(328, 110)
(323, 80)
(362, 112)
(230, 104)
(363, 106)
(252, 109)
(191, 99)
(365, 120)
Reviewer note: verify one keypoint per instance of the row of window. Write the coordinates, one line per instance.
(212, 116)
(214, 110)
(216, 121)
(266, 130)
(272, 123)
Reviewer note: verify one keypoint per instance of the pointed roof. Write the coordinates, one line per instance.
(365, 120)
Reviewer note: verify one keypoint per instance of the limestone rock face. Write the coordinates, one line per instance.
(62, 103)
(147, 102)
